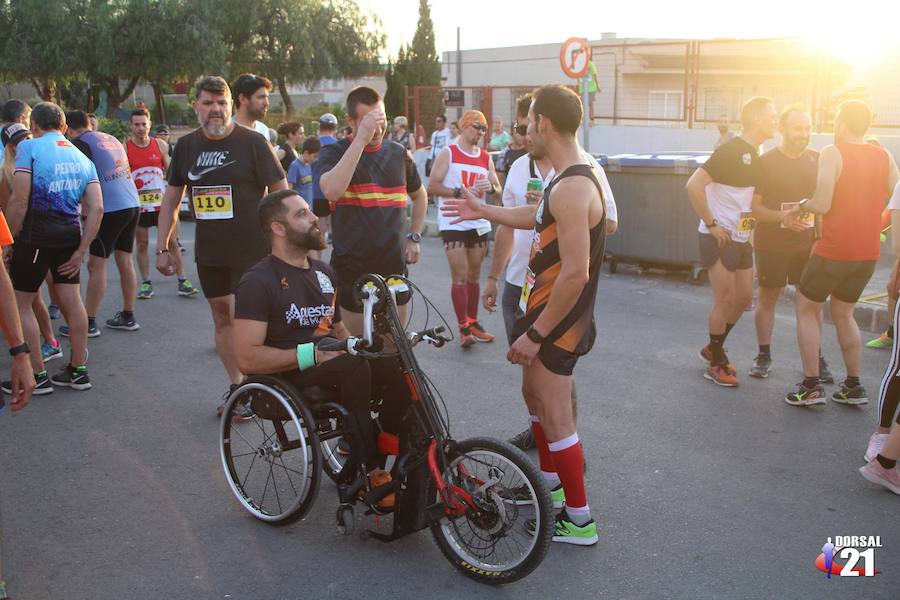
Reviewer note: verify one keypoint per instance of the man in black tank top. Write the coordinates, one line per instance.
(557, 297)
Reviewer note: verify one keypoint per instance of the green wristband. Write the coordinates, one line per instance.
(306, 355)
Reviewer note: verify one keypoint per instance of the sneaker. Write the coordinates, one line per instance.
(74, 377)
(466, 338)
(523, 440)
(242, 412)
(721, 374)
(42, 385)
(92, 330)
(805, 396)
(558, 495)
(479, 333)
(882, 341)
(54, 311)
(567, 532)
(855, 395)
(49, 351)
(187, 289)
(705, 354)
(146, 291)
(876, 443)
(874, 472)
(825, 375)
(120, 321)
(762, 364)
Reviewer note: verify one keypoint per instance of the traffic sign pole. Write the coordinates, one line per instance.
(586, 108)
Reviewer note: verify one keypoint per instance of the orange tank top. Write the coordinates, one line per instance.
(850, 230)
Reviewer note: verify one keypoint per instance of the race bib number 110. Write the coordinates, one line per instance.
(212, 202)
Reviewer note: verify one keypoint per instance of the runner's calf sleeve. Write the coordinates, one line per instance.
(544, 456)
(459, 295)
(568, 457)
(474, 292)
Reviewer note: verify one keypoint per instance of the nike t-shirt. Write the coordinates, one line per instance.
(225, 181)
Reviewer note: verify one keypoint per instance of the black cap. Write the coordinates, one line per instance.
(164, 129)
(13, 133)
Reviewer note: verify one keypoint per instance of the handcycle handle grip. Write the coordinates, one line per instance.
(352, 345)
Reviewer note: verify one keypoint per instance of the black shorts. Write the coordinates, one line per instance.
(29, 266)
(469, 238)
(734, 255)
(777, 269)
(218, 281)
(557, 360)
(841, 279)
(148, 220)
(346, 279)
(116, 233)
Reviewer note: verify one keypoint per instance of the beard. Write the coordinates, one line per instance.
(798, 144)
(307, 240)
(257, 113)
(213, 129)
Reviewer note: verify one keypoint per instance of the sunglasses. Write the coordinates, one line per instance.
(520, 129)
(479, 127)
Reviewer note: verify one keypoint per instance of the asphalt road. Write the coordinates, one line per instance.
(699, 491)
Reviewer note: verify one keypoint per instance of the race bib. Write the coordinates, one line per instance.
(809, 219)
(746, 223)
(527, 286)
(150, 199)
(212, 202)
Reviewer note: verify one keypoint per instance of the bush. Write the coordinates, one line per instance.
(116, 128)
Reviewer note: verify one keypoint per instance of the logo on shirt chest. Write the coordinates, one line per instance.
(746, 158)
(308, 316)
(325, 283)
(207, 162)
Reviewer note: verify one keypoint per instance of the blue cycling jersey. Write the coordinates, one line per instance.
(60, 173)
(111, 162)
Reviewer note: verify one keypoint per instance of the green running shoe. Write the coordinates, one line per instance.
(882, 341)
(187, 289)
(558, 495)
(146, 291)
(568, 532)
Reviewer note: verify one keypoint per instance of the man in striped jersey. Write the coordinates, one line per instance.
(366, 181)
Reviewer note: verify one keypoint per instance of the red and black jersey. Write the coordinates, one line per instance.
(368, 221)
(576, 332)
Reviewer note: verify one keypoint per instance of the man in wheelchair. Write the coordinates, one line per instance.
(286, 303)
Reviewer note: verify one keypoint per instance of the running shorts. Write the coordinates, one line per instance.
(116, 233)
(218, 281)
(30, 264)
(841, 279)
(777, 269)
(469, 238)
(734, 255)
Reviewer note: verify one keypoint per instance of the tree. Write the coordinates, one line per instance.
(306, 41)
(30, 52)
(417, 65)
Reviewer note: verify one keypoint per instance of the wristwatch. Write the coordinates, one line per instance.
(713, 224)
(414, 237)
(20, 349)
(534, 336)
(457, 193)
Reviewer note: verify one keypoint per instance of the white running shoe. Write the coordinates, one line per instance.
(876, 443)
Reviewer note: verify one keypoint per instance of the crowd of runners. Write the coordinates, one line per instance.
(265, 213)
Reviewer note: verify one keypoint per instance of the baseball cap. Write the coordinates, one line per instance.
(328, 119)
(13, 133)
(164, 129)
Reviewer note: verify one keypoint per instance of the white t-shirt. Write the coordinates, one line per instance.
(514, 195)
(258, 126)
(463, 170)
(894, 203)
(440, 139)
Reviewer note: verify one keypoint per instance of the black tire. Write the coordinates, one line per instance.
(493, 526)
(280, 420)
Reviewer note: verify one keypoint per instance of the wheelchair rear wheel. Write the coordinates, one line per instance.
(272, 461)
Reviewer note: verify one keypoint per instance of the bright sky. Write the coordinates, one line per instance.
(487, 24)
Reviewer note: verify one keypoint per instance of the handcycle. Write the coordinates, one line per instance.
(486, 503)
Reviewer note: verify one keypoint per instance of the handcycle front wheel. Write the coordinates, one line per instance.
(509, 534)
(272, 461)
